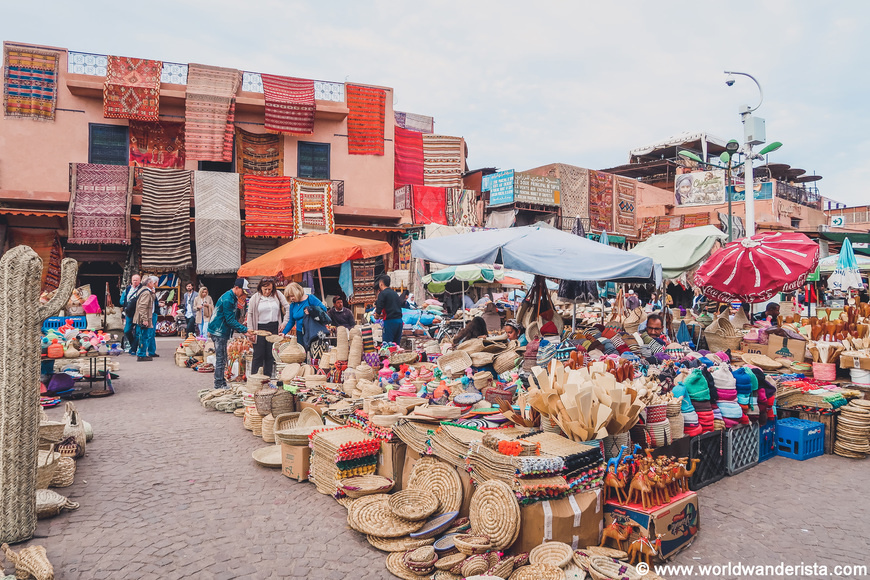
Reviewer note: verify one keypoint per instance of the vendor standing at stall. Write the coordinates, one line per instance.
(221, 327)
(388, 307)
(340, 315)
(515, 332)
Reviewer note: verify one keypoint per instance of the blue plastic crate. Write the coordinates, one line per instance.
(800, 439)
(58, 321)
(767, 441)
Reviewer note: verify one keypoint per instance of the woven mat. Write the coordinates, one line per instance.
(429, 205)
(365, 120)
(259, 153)
(218, 226)
(451, 443)
(165, 221)
(209, 111)
(625, 206)
(409, 158)
(99, 205)
(155, 145)
(30, 82)
(268, 206)
(443, 161)
(363, 281)
(312, 207)
(461, 207)
(414, 122)
(132, 89)
(289, 104)
(413, 434)
(600, 201)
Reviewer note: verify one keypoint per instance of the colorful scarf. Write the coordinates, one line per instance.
(268, 206)
(165, 219)
(132, 89)
(218, 224)
(289, 104)
(312, 207)
(409, 158)
(209, 111)
(365, 121)
(158, 144)
(443, 160)
(259, 153)
(30, 83)
(99, 204)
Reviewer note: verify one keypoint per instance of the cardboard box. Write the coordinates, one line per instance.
(678, 522)
(295, 461)
(411, 457)
(391, 461)
(781, 347)
(576, 520)
(753, 347)
(855, 360)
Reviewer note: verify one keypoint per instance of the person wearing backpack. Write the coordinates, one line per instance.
(128, 303)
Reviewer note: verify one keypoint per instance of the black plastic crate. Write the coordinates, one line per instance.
(710, 449)
(741, 448)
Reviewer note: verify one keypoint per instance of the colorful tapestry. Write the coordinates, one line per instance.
(363, 281)
(405, 253)
(268, 206)
(29, 82)
(668, 223)
(409, 158)
(289, 104)
(402, 197)
(46, 245)
(132, 88)
(312, 207)
(574, 193)
(443, 160)
(600, 201)
(694, 220)
(165, 219)
(209, 111)
(158, 144)
(648, 228)
(99, 203)
(218, 222)
(429, 205)
(259, 153)
(415, 122)
(461, 207)
(365, 121)
(626, 206)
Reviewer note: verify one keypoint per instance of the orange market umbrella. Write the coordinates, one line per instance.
(313, 251)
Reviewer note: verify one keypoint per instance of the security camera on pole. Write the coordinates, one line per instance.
(753, 134)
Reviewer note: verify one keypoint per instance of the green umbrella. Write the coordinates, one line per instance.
(437, 281)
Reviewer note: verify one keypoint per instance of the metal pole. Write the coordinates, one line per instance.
(730, 194)
(749, 181)
(322, 295)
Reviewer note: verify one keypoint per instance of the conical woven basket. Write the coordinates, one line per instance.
(354, 356)
(342, 343)
(292, 352)
(268, 429)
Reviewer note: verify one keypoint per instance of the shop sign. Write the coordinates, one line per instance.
(536, 189)
(501, 187)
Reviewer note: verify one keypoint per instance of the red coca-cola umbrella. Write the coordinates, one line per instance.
(755, 269)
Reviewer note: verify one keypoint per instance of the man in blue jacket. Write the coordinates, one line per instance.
(224, 321)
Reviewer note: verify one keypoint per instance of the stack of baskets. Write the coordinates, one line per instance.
(675, 418)
(340, 453)
(721, 335)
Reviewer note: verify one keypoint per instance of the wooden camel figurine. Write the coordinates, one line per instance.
(618, 532)
(644, 549)
(682, 478)
(641, 488)
(614, 485)
(660, 488)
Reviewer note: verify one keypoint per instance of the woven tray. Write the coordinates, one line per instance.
(372, 515)
(494, 512)
(441, 479)
(556, 553)
(538, 572)
(402, 544)
(268, 456)
(363, 485)
(413, 504)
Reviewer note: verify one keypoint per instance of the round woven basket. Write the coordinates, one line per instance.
(372, 515)
(677, 425)
(282, 402)
(506, 361)
(454, 363)
(441, 479)
(449, 561)
(555, 553)
(396, 566)
(717, 343)
(474, 565)
(602, 567)
(364, 372)
(482, 380)
(656, 413)
(606, 552)
(65, 473)
(285, 421)
(263, 400)
(397, 544)
(403, 358)
(494, 512)
(354, 356)
(538, 572)
(413, 504)
(46, 466)
(363, 485)
(470, 544)
(268, 429)
(421, 560)
(291, 351)
(50, 503)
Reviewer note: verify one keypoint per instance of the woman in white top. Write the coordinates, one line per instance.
(267, 310)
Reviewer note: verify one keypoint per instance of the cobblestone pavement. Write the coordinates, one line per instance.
(169, 490)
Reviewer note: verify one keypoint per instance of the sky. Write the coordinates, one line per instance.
(528, 84)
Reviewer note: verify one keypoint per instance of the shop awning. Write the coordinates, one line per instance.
(681, 250)
(313, 251)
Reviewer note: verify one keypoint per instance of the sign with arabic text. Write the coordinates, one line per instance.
(501, 188)
(536, 189)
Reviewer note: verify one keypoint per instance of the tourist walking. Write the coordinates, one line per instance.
(268, 311)
(388, 307)
(187, 303)
(204, 307)
(128, 305)
(144, 318)
(221, 327)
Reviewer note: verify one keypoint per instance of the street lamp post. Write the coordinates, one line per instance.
(728, 157)
(753, 134)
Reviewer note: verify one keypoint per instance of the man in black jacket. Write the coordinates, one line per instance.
(389, 307)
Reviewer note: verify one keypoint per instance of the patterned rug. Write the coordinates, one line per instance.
(99, 203)
(268, 206)
(259, 153)
(30, 82)
(461, 207)
(51, 279)
(158, 144)
(363, 281)
(443, 160)
(626, 206)
(600, 201)
(402, 197)
(405, 253)
(429, 205)
(574, 193)
(218, 222)
(409, 158)
(648, 228)
(312, 207)
(365, 121)
(209, 111)
(165, 219)
(414, 122)
(668, 223)
(132, 89)
(46, 245)
(289, 104)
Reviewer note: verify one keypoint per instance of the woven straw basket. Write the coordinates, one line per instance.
(291, 351)
(454, 363)
(50, 503)
(506, 361)
(65, 474)
(721, 335)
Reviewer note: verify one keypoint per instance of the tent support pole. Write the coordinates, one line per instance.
(574, 319)
(320, 276)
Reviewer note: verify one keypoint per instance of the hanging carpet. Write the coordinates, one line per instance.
(312, 207)
(132, 88)
(363, 281)
(409, 158)
(159, 144)
(429, 205)
(268, 206)
(30, 82)
(259, 153)
(165, 219)
(600, 201)
(209, 111)
(218, 222)
(365, 121)
(289, 104)
(461, 207)
(99, 204)
(414, 122)
(625, 206)
(443, 160)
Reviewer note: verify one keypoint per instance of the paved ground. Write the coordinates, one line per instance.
(169, 490)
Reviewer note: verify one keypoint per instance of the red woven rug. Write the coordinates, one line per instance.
(600, 201)
(259, 153)
(268, 206)
(365, 121)
(158, 144)
(132, 89)
(312, 207)
(409, 158)
(429, 205)
(99, 204)
(209, 111)
(289, 104)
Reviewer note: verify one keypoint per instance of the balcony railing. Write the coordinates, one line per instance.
(807, 197)
(84, 63)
